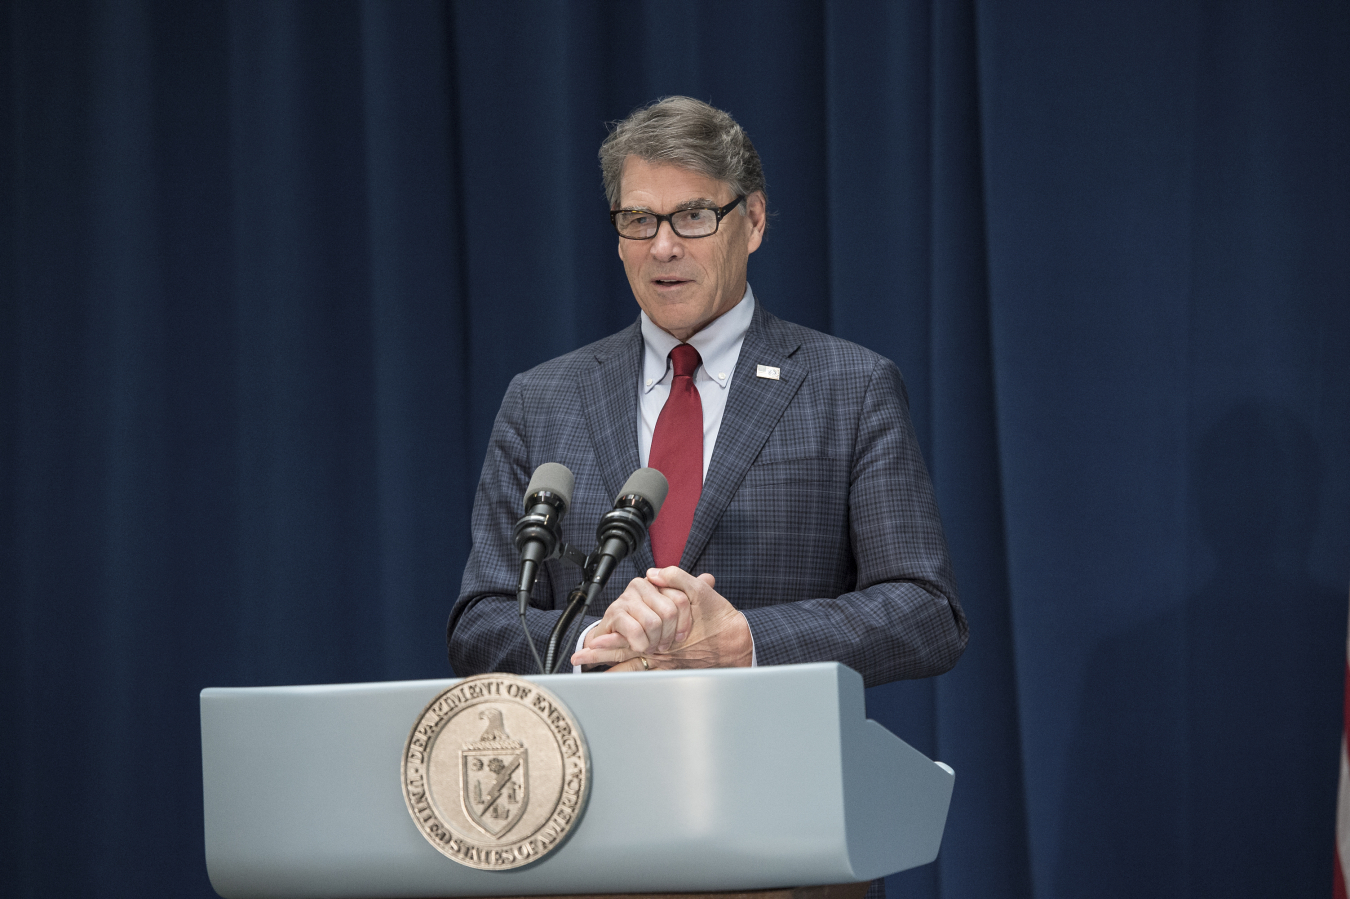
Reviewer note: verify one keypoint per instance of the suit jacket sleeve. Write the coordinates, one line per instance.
(899, 616)
(483, 633)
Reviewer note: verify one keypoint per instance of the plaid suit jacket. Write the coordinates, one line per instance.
(817, 516)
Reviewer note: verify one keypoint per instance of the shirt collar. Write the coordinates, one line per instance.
(718, 345)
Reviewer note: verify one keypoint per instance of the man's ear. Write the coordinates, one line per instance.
(756, 211)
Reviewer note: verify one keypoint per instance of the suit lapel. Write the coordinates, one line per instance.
(753, 409)
(610, 397)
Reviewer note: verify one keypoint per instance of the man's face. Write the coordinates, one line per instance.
(684, 283)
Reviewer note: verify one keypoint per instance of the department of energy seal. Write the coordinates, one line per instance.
(496, 772)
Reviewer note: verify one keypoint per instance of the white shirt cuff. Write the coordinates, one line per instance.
(581, 641)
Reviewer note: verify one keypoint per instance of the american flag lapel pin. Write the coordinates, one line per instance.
(767, 371)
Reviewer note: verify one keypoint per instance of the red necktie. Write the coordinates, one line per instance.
(677, 452)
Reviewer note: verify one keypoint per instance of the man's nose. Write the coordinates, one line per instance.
(666, 244)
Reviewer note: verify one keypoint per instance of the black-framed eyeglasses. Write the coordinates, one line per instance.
(696, 221)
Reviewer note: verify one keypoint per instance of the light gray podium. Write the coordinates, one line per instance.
(719, 780)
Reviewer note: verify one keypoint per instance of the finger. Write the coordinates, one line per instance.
(616, 608)
(665, 605)
(684, 620)
(637, 624)
(676, 579)
(633, 664)
(671, 576)
(607, 641)
(603, 628)
(593, 656)
(633, 616)
(673, 607)
(679, 579)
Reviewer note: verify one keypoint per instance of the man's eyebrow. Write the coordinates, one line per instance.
(696, 203)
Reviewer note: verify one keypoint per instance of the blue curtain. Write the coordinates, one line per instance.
(267, 268)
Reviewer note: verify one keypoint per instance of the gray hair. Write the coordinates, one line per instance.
(684, 132)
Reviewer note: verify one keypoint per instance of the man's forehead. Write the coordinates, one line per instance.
(675, 185)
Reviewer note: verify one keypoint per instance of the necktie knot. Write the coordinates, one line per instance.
(685, 360)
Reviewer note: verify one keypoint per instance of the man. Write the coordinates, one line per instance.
(801, 524)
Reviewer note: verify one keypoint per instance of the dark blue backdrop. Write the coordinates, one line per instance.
(267, 269)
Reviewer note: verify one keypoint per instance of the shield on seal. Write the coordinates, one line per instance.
(496, 781)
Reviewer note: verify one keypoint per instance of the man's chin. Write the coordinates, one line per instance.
(680, 328)
(675, 318)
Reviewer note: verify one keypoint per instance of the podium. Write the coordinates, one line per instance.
(714, 780)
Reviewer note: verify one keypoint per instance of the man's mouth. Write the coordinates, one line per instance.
(669, 282)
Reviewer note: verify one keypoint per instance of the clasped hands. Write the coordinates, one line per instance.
(673, 620)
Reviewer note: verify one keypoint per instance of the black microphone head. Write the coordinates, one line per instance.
(624, 527)
(649, 484)
(554, 478)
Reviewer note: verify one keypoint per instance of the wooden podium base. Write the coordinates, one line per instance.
(829, 891)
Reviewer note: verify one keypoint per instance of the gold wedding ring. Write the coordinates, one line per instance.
(645, 666)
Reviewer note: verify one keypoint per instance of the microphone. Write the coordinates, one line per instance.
(538, 534)
(621, 530)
